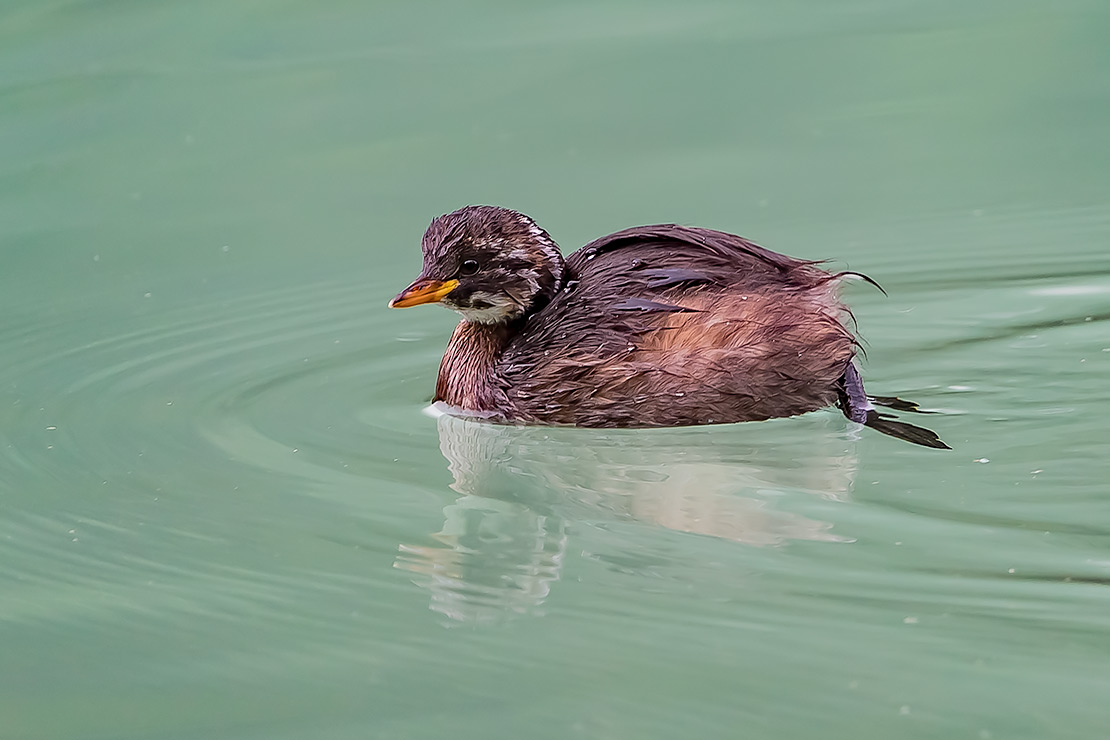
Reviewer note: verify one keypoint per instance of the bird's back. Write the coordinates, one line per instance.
(668, 325)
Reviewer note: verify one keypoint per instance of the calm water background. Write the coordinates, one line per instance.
(224, 514)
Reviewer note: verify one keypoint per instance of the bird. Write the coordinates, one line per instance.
(652, 326)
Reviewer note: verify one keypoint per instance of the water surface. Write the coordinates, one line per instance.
(225, 514)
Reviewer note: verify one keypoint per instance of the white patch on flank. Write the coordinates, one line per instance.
(436, 410)
(440, 409)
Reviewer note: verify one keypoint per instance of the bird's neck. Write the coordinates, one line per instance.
(468, 372)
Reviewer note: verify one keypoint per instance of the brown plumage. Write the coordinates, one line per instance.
(651, 326)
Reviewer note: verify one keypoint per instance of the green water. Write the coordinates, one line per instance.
(225, 514)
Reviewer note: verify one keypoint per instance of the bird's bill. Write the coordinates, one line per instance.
(423, 291)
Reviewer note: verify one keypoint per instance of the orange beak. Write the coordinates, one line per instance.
(423, 291)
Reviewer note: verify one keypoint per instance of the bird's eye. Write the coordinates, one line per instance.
(468, 267)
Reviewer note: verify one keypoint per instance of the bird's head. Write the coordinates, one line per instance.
(490, 264)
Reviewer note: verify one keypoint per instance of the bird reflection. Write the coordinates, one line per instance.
(504, 540)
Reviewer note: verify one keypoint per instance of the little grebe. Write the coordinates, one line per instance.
(648, 327)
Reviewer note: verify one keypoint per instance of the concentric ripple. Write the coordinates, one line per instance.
(188, 445)
(172, 451)
(215, 381)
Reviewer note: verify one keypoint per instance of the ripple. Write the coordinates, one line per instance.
(273, 408)
(164, 444)
(208, 373)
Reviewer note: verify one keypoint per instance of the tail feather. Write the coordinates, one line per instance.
(918, 435)
(898, 404)
(856, 405)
